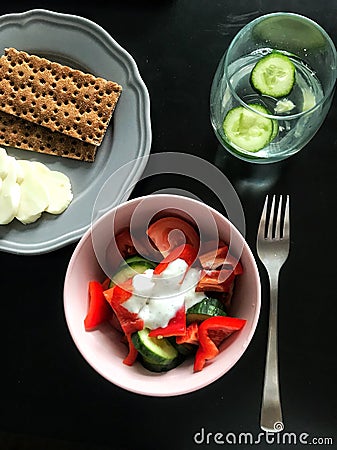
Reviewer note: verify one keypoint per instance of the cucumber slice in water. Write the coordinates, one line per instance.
(248, 130)
(273, 75)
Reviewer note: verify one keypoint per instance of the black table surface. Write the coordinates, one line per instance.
(50, 397)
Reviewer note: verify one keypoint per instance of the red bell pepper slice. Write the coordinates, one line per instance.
(220, 327)
(175, 327)
(216, 258)
(129, 321)
(191, 335)
(216, 280)
(105, 284)
(99, 309)
(238, 269)
(186, 252)
(133, 352)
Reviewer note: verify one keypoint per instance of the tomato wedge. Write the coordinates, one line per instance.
(170, 232)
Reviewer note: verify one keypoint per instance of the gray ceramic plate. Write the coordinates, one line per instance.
(83, 45)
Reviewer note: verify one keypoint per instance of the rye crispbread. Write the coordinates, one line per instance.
(57, 97)
(19, 133)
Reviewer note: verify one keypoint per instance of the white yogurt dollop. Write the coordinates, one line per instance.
(157, 298)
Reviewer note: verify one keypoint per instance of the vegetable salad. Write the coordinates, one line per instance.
(173, 309)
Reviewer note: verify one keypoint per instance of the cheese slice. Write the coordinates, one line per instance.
(34, 197)
(28, 188)
(58, 188)
(10, 194)
(4, 163)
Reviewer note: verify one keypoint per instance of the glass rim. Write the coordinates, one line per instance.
(326, 95)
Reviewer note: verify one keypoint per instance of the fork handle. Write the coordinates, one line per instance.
(271, 413)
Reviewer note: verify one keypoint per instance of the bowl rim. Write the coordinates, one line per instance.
(201, 380)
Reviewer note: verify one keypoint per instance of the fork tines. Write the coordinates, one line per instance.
(275, 226)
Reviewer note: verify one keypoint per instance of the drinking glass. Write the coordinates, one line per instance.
(275, 127)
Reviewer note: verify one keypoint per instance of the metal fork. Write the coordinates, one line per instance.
(273, 249)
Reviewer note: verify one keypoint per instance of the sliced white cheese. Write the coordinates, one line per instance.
(34, 197)
(10, 193)
(4, 163)
(28, 188)
(58, 188)
(19, 172)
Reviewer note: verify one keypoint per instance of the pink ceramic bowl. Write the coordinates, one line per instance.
(103, 349)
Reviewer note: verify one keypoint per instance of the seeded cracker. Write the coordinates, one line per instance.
(20, 133)
(57, 97)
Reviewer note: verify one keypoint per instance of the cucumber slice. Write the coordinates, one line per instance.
(248, 130)
(127, 270)
(210, 302)
(155, 367)
(273, 75)
(158, 351)
(208, 307)
(185, 349)
(138, 259)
